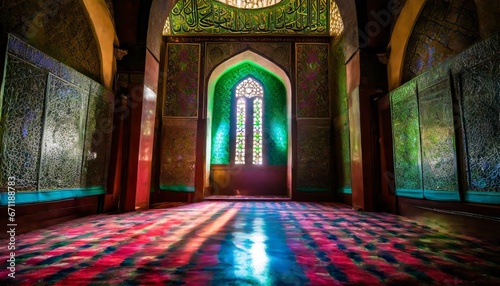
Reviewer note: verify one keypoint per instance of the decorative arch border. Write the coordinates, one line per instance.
(105, 34)
(399, 40)
(160, 9)
(265, 64)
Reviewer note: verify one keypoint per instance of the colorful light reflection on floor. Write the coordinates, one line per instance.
(250, 243)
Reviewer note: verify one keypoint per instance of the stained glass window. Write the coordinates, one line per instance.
(257, 131)
(240, 131)
(249, 94)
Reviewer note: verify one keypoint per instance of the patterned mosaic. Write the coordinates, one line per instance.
(24, 51)
(313, 99)
(21, 123)
(275, 127)
(178, 153)
(336, 24)
(280, 53)
(59, 28)
(98, 135)
(290, 17)
(481, 109)
(444, 29)
(313, 156)
(439, 166)
(63, 139)
(182, 80)
(406, 137)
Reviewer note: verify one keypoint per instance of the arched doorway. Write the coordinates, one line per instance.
(225, 174)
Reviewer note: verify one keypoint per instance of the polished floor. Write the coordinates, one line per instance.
(250, 243)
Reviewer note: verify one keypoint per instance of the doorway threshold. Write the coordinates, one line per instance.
(247, 198)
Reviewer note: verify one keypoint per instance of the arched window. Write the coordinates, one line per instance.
(249, 104)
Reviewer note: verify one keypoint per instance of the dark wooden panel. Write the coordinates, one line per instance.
(248, 180)
(316, 197)
(36, 216)
(170, 196)
(386, 202)
(480, 221)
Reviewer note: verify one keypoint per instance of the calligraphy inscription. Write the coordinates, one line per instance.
(288, 17)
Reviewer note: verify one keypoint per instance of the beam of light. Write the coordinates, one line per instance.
(196, 242)
(260, 260)
(251, 259)
(134, 238)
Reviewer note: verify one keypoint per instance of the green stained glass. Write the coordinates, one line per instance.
(240, 131)
(249, 89)
(257, 131)
(274, 117)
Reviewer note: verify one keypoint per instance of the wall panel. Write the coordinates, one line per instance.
(280, 53)
(183, 69)
(480, 100)
(50, 127)
(459, 129)
(178, 154)
(63, 139)
(98, 133)
(60, 28)
(406, 138)
(313, 155)
(21, 123)
(313, 99)
(437, 131)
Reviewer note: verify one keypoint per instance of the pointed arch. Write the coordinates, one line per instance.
(105, 34)
(399, 40)
(263, 63)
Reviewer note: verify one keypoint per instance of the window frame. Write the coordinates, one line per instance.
(249, 127)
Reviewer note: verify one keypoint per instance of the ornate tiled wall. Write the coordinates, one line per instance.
(48, 122)
(313, 156)
(98, 137)
(439, 164)
(22, 122)
(313, 105)
(279, 53)
(183, 67)
(313, 99)
(480, 106)
(275, 116)
(406, 137)
(443, 30)
(180, 117)
(63, 139)
(59, 28)
(459, 128)
(178, 154)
